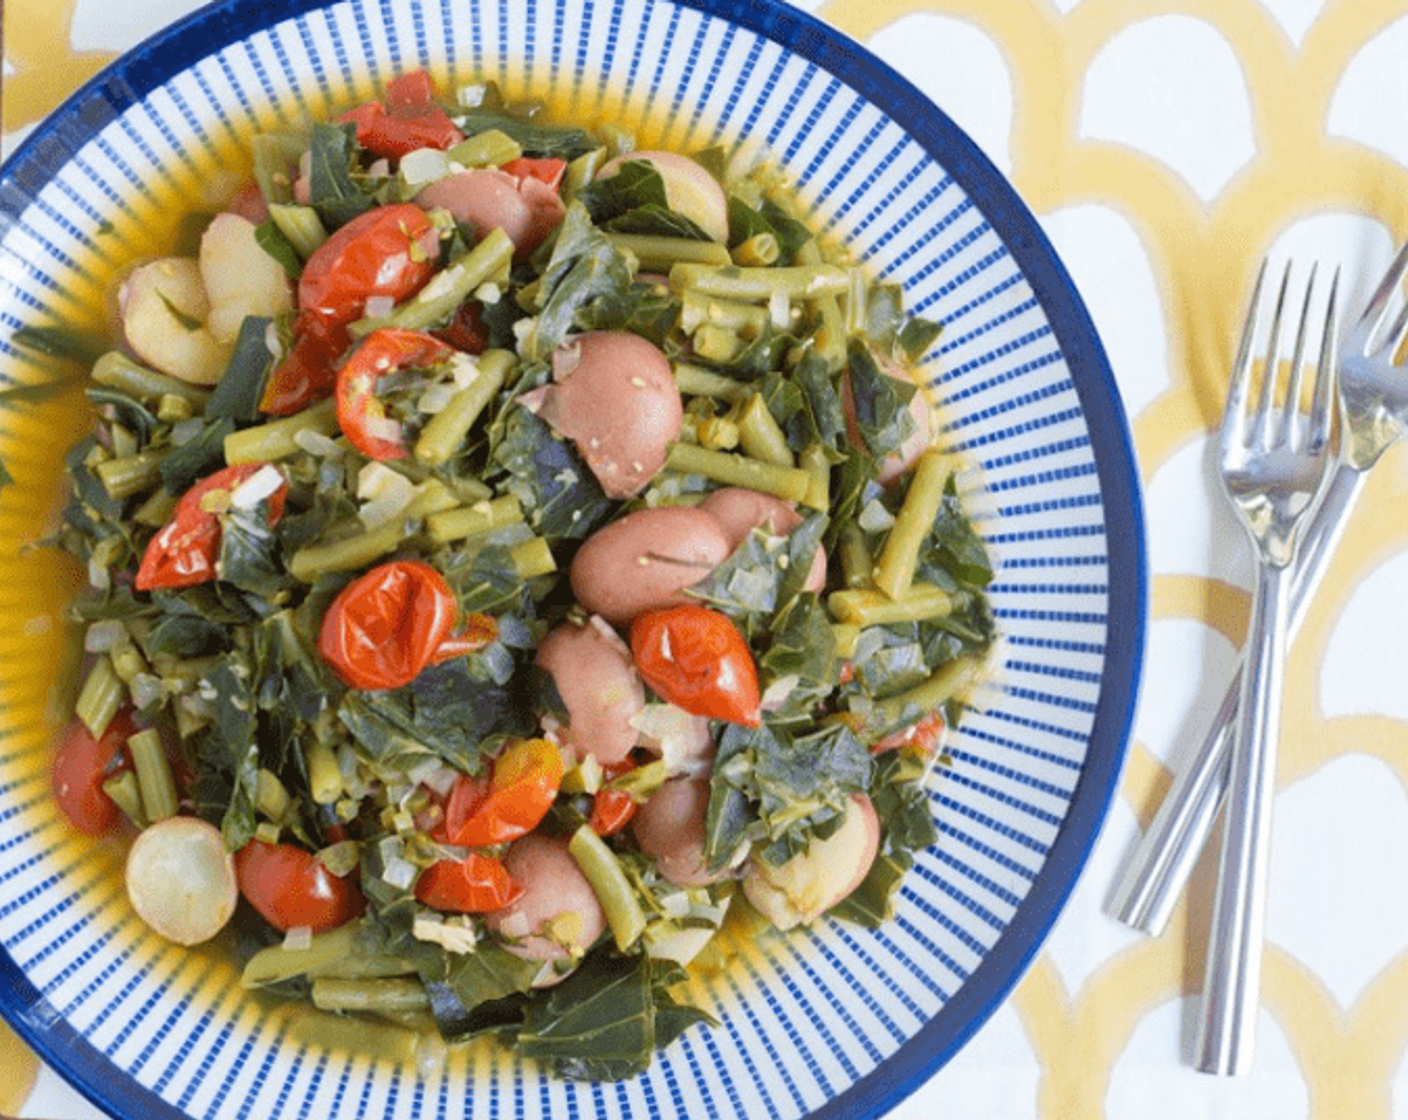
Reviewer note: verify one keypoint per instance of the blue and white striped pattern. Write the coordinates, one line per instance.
(829, 1022)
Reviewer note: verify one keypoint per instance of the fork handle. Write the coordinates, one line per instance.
(1232, 983)
(1157, 871)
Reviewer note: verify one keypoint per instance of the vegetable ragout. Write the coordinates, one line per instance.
(509, 551)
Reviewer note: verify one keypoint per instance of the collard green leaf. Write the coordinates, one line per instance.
(250, 557)
(535, 139)
(586, 278)
(549, 478)
(241, 387)
(602, 1022)
(197, 457)
(334, 189)
(883, 419)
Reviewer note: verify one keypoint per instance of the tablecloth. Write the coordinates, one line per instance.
(1166, 146)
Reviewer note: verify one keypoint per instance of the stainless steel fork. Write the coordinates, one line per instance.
(1275, 462)
(1374, 409)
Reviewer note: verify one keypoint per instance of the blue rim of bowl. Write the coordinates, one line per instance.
(167, 53)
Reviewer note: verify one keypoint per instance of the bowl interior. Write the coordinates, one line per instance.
(834, 1021)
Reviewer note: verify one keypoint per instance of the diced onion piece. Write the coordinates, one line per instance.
(515, 925)
(101, 636)
(298, 939)
(181, 880)
(258, 487)
(315, 443)
(379, 307)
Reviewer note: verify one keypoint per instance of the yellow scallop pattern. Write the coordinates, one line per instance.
(1166, 146)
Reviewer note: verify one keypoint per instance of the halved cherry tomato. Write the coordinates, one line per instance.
(408, 119)
(474, 633)
(183, 553)
(293, 888)
(466, 330)
(521, 789)
(390, 251)
(360, 412)
(612, 810)
(477, 884)
(924, 735)
(386, 626)
(549, 170)
(82, 764)
(698, 660)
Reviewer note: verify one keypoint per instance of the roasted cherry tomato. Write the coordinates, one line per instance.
(546, 170)
(924, 735)
(184, 551)
(408, 119)
(360, 411)
(82, 764)
(521, 789)
(292, 888)
(466, 329)
(698, 660)
(477, 884)
(612, 810)
(386, 626)
(306, 373)
(474, 632)
(388, 252)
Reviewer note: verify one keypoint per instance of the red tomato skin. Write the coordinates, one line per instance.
(381, 352)
(184, 550)
(408, 119)
(81, 765)
(291, 888)
(477, 884)
(547, 170)
(388, 251)
(612, 810)
(466, 330)
(307, 372)
(697, 659)
(518, 795)
(385, 626)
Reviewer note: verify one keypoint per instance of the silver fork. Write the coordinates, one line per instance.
(1374, 410)
(1274, 465)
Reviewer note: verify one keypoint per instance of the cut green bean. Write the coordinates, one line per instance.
(358, 551)
(393, 996)
(610, 885)
(275, 155)
(349, 952)
(117, 371)
(747, 320)
(814, 461)
(131, 474)
(943, 684)
(490, 148)
(156, 510)
(714, 343)
(857, 565)
(445, 431)
(660, 254)
(533, 558)
(278, 439)
(894, 571)
(789, 483)
(154, 779)
(172, 409)
(271, 796)
(760, 436)
(581, 171)
(489, 261)
(867, 607)
(301, 225)
(126, 794)
(717, 433)
(846, 634)
(759, 251)
(469, 521)
(696, 381)
(127, 660)
(324, 774)
(759, 284)
(100, 697)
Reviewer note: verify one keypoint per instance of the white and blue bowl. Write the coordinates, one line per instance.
(833, 1022)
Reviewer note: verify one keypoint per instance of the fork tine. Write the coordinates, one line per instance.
(1234, 416)
(1398, 331)
(1322, 411)
(1377, 310)
(1291, 409)
(1271, 367)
